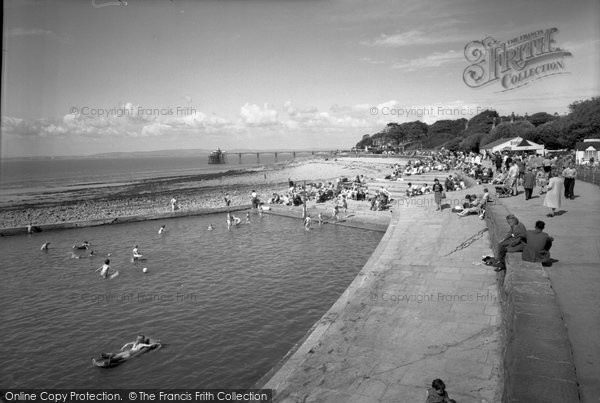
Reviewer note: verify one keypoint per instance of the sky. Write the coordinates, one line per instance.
(82, 77)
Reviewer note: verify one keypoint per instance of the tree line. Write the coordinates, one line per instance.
(551, 130)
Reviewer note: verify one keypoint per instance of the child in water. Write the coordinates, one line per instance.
(105, 269)
(136, 253)
(307, 221)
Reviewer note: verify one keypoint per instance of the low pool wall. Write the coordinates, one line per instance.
(121, 220)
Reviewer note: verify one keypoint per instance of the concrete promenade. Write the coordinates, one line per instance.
(575, 278)
(423, 307)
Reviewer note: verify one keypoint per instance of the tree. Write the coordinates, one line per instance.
(471, 143)
(540, 118)
(443, 131)
(553, 134)
(521, 128)
(585, 119)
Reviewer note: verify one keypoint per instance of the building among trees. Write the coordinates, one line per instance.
(514, 144)
(586, 150)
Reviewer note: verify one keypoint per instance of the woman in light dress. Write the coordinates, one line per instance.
(554, 191)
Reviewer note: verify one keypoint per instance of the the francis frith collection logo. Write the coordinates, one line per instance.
(514, 63)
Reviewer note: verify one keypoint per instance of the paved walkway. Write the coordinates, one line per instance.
(576, 276)
(422, 308)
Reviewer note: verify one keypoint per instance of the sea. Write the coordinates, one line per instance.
(26, 176)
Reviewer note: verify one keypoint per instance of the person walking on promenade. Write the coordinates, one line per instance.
(541, 180)
(529, 183)
(513, 178)
(498, 162)
(227, 200)
(507, 162)
(570, 173)
(521, 165)
(547, 163)
(512, 242)
(554, 194)
(437, 189)
(538, 245)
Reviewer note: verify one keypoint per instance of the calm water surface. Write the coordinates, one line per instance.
(18, 175)
(227, 305)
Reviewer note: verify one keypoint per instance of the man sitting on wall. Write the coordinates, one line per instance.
(538, 245)
(514, 241)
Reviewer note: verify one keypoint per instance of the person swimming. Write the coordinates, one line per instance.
(45, 246)
(84, 245)
(161, 230)
(210, 227)
(76, 256)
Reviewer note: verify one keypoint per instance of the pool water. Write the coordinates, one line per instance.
(227, 305)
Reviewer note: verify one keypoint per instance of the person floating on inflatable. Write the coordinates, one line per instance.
(126, 353)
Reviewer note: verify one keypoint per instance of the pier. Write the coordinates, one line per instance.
(277, 153)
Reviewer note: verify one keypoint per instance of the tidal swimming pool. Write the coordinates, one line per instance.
(227, 305)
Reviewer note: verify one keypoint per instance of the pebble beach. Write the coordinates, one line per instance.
(151, 196)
